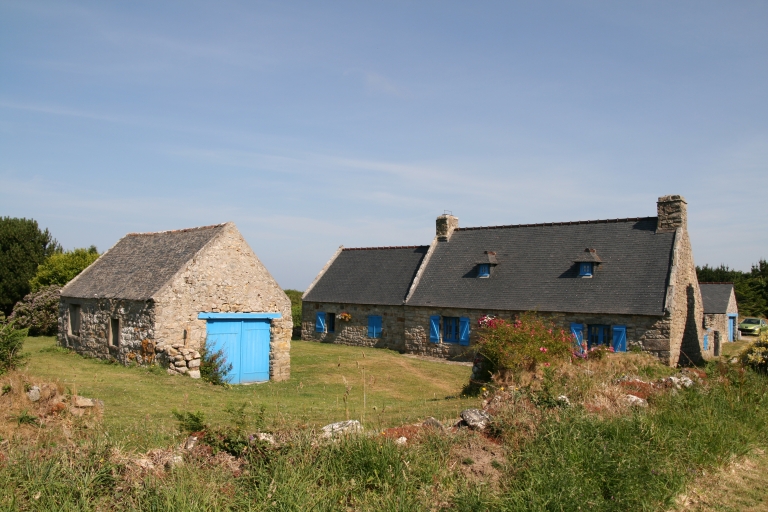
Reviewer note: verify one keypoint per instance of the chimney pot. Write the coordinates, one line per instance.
(444, 226)
(672, 213)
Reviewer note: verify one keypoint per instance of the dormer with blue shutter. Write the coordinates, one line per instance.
(587, 262)
(485, 263)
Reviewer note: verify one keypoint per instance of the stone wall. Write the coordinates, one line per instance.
(355, 331)
(224, 277)
(136, 320)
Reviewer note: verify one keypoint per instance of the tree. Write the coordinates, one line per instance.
(23, 246)
(38, 311)
(60, 268)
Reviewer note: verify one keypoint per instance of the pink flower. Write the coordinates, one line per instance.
(546, 364)
(543, 349)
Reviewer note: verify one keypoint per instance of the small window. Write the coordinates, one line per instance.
(484, 270)
(450, 329)
(114, 332)
(330, 322)
(74, 319)
(585, 269)
(374, 326)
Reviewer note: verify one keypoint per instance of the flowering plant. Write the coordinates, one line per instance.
(522, 344)
(345, 317)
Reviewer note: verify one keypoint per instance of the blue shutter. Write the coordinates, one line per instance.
(619, 338)
(320, 322)
(706, 342)
(434, 329)
(464, 331)
(374, 326)
(578, 333)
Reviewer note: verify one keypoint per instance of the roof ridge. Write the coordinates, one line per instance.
(387, 247)
(715, 282)
(185, 230)
(569, 223)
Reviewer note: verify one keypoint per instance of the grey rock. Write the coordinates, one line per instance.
(433, 423)
(196, 355)
(195, 363)
(181, 369)
(81, 401)
(190, 442)
(475, 419)
(172, 371)
(564, 400)
(341, 428)
(33, 394)
(401, 441)
(263, 436)
(635, 401)
(195, 374)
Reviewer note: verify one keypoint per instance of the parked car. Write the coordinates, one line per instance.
(753, 326)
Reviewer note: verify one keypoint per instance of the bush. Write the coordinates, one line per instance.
(38, 312)
(11, 343)
(214, 367)
(61, 268)
(521, 345)
(755, 356)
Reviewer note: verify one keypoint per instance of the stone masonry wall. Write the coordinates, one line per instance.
(136, 321)
(225, 277)
(355, 331)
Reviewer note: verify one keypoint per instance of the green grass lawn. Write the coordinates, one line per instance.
(398, 389)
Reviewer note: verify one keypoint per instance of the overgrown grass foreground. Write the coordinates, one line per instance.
(594, 455)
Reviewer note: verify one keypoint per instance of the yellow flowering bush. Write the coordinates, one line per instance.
(756, 355)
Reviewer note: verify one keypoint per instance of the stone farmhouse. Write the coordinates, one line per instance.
(720, 313)
(160, 296)
(623, 282)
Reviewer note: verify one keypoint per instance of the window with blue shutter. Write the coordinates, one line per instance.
(484, 270)
(585, 269)
(320, 321)
(577, 330)
(434, 329)
(619, 342)
(706, 342)
(464, 331)
(374, 326)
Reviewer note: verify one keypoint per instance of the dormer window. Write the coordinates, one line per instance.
(484, 264)
(587, 261)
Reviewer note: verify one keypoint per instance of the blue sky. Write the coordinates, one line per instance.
(317, 124)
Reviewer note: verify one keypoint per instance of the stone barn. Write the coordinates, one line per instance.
(721, 312)
(620, 282)
(158, 297)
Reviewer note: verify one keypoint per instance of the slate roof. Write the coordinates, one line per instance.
(715, 297)
(140, 264)
(378, 275)
(536, 270)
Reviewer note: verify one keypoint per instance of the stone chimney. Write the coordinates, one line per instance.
(672, 212)
(445, 225)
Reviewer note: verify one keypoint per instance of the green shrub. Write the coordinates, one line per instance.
(60, 268)
(11, 343)
(522, 345)
(38, 311)
(295, 296)
(755, 356)
(214, 367)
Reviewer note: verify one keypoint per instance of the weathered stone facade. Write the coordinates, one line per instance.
(355, 331)
(224, 276)
(717, 323)
(91, 338)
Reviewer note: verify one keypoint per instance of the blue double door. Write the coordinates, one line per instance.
(244, 344)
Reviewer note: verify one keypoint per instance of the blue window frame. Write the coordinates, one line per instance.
(585, 269)
(598, 335)
(484, 270)
(374, 326)
(451, 329)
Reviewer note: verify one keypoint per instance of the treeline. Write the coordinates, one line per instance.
(751, 287)
(33, 268)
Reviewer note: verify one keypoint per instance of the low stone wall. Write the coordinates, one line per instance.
(355, 331)
(136, 320)
(183, 360)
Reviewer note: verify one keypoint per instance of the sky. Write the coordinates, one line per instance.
(318, 124)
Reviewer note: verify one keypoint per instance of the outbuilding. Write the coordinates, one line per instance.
(159, 297)
(721, 312)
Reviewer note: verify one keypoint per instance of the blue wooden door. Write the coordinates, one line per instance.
(619, 342)
(254, 351)
(244, 344)
(731, 326)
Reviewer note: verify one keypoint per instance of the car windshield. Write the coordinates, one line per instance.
(751, 321)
